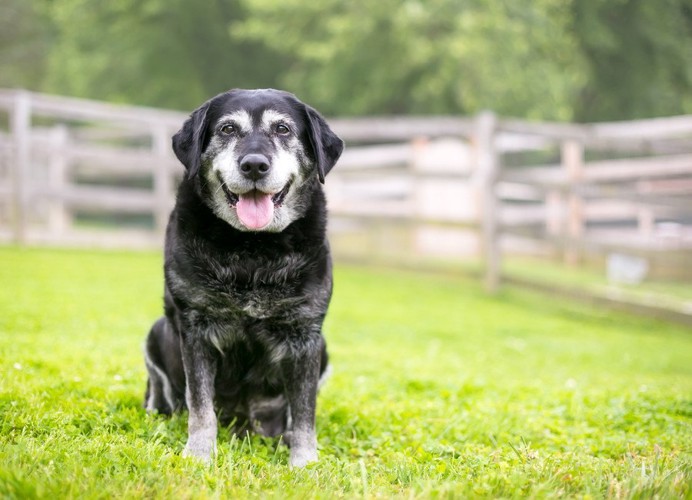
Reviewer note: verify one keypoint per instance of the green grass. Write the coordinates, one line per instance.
(437, 391)
(676, 295)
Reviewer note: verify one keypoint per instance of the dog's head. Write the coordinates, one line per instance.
(254, 154)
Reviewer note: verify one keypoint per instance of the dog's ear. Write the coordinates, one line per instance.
(189, 140)
(326, 145)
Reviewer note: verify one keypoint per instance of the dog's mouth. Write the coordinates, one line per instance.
(277, 198)
(255, 208)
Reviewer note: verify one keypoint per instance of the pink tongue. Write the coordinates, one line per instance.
(255, 209)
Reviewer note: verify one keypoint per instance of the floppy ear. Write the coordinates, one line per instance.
(326, 145)
(189, 140)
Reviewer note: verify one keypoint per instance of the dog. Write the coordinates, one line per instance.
(248, 273)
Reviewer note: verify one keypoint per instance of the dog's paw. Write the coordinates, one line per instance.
(202, 451)
(302, 457)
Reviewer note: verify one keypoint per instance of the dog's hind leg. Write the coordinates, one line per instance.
(269, 416)
(161, 354)
(158, 397)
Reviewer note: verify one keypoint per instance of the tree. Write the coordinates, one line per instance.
(543, 59)
(25, 38)
(639, 58)
(165, 53)
(415, 56)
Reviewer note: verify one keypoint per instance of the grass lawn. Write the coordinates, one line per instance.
(673, 295)
(437, 391)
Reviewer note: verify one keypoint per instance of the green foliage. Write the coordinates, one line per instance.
(541, 59)
(437, 391)
(639, 57)
(25, 38)
(441, 56)
(154, 52)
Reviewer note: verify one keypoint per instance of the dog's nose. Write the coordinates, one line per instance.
(254, 166)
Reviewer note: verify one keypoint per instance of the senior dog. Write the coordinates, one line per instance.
(248, 273)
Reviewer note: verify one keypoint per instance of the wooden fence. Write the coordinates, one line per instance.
(63, 157)
(601, 189)
(76, 172)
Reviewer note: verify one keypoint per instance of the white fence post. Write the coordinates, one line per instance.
(572, 153)
(20, 126)
(419, 146)
(163, 182)
(487, 166)
(59, 218)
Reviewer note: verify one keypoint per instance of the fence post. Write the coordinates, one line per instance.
(555, 215)
(488, 172)
(572, 153)
(58, 216)
(646, 220)
(20, 126)
(163, 182)
(419, 146)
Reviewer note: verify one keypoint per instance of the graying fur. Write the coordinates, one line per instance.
(241, 340)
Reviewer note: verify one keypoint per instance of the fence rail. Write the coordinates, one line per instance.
(406, 186)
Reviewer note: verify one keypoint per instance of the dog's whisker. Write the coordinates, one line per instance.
(221, 185)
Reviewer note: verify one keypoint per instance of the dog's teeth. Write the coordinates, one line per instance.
(278, 198)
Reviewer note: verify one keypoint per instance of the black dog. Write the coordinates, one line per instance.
(248, 273)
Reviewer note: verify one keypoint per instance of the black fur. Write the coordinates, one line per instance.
(244, 309)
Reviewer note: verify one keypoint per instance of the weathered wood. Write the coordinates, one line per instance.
(646, 219)
(638, 168)
(114, 161)
(398, 209)
(400, 128)
(375, 157)
(629, 241)
(552, 130)
(519, 192)
(544, 176)
(374, 188)
(508, 142)
(635, 134)
(527, 215)
(603, 210)
(555, 207)
(649, 129)
(59, 218)
(641, 145)
(20, 126)
(487, 167)
(551, 176)
(572, 152)
(599, 210)
(104, 199)
(681, 186)
(70, 108)
(387, 156)
(163, 181)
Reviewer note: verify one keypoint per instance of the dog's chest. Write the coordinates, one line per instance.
(249, 288)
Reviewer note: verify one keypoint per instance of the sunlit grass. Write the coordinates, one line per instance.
(437, 390)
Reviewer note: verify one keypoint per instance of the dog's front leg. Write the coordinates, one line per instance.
(200, 372)
(301, 374)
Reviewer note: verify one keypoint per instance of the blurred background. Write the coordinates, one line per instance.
(586, 60)
(545, 143)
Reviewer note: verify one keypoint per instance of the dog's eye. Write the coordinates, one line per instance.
(228, 129)
(282, 129)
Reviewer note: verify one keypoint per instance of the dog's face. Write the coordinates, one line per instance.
(254, 153)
